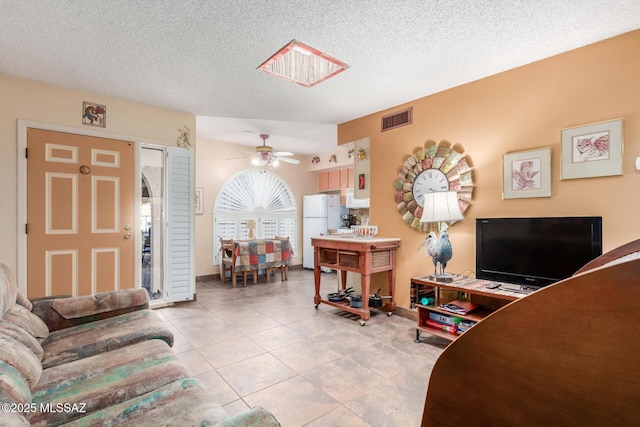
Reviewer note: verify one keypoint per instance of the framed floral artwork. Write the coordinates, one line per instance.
(527, 174)
(592, 150)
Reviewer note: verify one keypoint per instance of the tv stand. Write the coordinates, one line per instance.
(520, 289)
(477, 291)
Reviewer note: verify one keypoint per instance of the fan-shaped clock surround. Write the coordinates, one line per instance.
(435, 167)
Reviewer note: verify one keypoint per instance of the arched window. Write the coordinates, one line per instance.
(258, 195)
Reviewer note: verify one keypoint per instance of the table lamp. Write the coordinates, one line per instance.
(440, 207)
(251, 226)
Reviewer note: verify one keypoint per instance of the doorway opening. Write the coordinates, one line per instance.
(152, 203)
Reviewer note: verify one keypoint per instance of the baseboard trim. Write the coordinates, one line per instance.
(207, 278)
(407, 313)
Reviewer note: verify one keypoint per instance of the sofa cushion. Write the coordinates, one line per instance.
(23, 301)
(73, 308)
(19, 334)
(184, 402)
(105, 379)
(8, 290)
(14, 419)
(255, 417)
(28, 321)
(97, 337)
(21, 358)
(13, 385)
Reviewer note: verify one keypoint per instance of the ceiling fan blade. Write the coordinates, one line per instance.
(282, 153)
(240, 157)
(287, 160)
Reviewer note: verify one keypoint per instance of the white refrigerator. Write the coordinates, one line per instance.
(320, 213)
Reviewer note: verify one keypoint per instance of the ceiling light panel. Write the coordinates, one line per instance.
(302, 64)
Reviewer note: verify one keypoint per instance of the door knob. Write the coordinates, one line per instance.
(127, 236)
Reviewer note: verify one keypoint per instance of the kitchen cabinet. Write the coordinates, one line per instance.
(346, 178)
(346, 182)
(336, 180)
(323, 181)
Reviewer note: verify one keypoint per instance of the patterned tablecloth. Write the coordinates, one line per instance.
(262, 253)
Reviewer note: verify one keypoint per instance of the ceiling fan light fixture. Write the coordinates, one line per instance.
(302, 64)
(257, 161)
(265, 156)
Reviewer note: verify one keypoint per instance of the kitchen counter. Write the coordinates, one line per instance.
(364, 255)
(346, 237)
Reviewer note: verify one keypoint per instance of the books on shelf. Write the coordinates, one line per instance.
(464, 326)
(452, 329)
(444, 318)
(459, 307)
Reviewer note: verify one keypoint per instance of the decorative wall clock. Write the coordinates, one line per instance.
(436, 167)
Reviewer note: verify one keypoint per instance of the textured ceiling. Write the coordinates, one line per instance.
(201, 57)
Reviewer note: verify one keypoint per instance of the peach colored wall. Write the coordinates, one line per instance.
(212, 171)
(28, 100)
(517, 110)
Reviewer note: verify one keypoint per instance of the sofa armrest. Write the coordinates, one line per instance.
(255, 417)
(60, 313)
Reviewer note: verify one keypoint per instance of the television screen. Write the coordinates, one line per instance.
(535, 251)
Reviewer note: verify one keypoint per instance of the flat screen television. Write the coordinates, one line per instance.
(535, 252)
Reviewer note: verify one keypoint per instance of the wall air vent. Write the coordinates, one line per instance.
(395, 120)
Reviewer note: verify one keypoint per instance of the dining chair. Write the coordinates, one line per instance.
(228, 263)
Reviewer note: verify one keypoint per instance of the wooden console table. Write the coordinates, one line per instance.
(489, 300)
(358, 255)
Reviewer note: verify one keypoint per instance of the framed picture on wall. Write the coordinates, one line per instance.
(592, 150)
(199, 208)
(526, 174)
(94, 114)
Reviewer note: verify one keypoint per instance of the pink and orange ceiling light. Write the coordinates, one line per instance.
(302, 64)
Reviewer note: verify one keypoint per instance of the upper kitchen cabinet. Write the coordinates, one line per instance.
(346, 182)
(323, 181)
(333, 180)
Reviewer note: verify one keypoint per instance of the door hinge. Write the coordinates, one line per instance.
(26, 153)
(26, 229)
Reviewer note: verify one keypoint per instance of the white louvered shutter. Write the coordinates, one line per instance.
(180, 274)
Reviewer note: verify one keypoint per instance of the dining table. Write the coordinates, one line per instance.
(262, 254)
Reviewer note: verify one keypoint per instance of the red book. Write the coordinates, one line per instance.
(437, 325)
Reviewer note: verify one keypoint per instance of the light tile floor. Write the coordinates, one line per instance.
(268, 345)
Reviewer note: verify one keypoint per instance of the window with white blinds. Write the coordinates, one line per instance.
(259, 195)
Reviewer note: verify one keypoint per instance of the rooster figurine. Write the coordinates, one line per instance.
(431, 241)
(439, 249)
(444, 251)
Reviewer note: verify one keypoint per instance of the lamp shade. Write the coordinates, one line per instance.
(441, 206)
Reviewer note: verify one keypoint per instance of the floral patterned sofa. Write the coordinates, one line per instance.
(97, 360)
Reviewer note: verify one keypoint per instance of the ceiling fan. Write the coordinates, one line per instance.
(264, 155)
